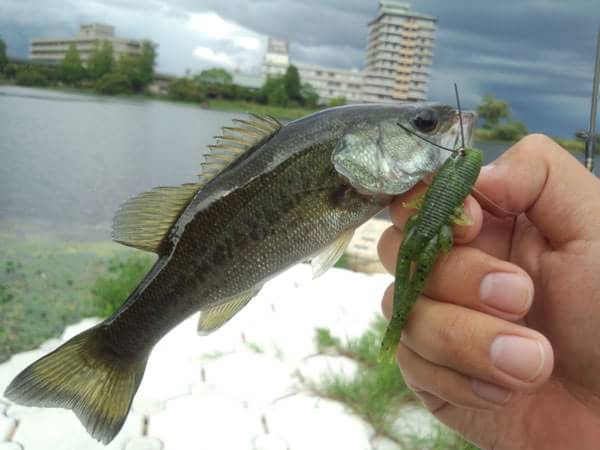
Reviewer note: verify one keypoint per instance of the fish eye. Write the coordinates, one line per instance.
(425, 121)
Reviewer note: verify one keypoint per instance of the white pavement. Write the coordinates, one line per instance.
(235, 389)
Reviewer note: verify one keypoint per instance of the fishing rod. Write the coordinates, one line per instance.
(590, 139)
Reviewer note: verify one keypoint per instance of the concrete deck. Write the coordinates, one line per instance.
(234, 389)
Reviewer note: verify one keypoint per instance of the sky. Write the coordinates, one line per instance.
(536, 54)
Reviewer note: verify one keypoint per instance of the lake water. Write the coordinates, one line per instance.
(68, 161)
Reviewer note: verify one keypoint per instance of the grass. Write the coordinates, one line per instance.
(123, 275)
(376, 391)
(45, 286)
(280, 112)
(571, 145)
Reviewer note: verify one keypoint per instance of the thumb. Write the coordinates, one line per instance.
(541, 179)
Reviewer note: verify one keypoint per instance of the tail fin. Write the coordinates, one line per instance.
(84, 375)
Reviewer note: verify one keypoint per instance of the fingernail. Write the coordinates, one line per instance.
(490, 392)
(508, 292)
(519, 357)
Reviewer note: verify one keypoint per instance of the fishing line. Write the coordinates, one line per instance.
(480, 194)
(408, 130)
(462, 136)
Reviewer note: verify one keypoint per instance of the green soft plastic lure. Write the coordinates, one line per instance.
(427, 234)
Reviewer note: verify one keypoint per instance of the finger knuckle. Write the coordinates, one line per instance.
(535, 142)
(454, 335)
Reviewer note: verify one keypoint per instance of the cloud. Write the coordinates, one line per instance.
(213, 26)
(225, 42)
(219, 59)
(536, 54)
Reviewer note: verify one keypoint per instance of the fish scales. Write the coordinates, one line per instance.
(264, 225)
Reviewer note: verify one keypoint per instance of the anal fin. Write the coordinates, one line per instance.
(214, 317)
(330, 254)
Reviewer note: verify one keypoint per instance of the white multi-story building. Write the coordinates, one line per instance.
(399, 58)
(328, 82)
(399, 54)
(277, 58)
(90, 38)
(333, 83)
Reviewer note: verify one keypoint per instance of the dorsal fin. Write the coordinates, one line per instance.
(235, 141)
(144, 220)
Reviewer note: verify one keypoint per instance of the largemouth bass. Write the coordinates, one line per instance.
(269, 196)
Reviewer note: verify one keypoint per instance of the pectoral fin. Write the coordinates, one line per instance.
(214, 317)
(330, 254)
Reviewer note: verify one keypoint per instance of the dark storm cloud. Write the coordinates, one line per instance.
(532, 52)
(536, 54)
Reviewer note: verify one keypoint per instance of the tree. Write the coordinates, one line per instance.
(278, 96)
(292, 84)
(511, 131)
(3, 57)
(147, 61)
(216, 75)
(184, 89)
(309, 95)
(71, 70)
(273, 91)
(30, 75)
(112, 84)
(492, 111)
(101, 61)
(130, 69)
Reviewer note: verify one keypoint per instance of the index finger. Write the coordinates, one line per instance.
(541, 179)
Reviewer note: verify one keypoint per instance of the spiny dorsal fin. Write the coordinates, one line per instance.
(144, 220)
(214, 317)
(330, 254)
(235, 141)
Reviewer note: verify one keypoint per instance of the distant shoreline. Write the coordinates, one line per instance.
(279, 112)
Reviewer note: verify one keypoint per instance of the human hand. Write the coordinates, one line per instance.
(504, 345)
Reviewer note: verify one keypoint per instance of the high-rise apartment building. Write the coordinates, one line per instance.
(399, 54)
(90, 37)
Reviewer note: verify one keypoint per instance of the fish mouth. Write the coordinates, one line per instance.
(453, 138)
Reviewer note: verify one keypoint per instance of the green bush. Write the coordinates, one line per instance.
(112, 84)
(30, 76)
(184, 89)
(337, 101)
(511, 131)
(123, 276)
